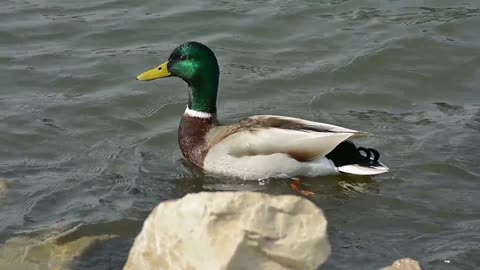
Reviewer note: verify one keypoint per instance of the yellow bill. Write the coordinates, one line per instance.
(155, 73)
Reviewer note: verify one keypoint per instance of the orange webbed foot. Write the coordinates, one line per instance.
(296, 186)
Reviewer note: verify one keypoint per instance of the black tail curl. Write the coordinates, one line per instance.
(346, 153)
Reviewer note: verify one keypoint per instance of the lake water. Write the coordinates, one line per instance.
(84, 145)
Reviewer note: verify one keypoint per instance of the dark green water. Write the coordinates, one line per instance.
(82, 143)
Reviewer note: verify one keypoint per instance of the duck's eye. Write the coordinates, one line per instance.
(183, 57)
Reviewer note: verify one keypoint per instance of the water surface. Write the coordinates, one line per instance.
(83, 144)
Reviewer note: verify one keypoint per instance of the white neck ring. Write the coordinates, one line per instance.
(197, 114)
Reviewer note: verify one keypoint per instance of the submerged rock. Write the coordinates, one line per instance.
(23, 252)
(404, 264)
(232, 230)
(3, 188)
(12, 252)
(60, 255)
(21, 266)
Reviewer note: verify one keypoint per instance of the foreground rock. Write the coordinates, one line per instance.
(232, 230)
(404, 264)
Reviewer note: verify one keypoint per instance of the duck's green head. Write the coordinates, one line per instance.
(197, 65)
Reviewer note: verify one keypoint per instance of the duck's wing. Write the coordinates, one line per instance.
(286, 122)
(301, 139)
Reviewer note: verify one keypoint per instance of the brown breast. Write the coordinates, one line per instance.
(191, 138)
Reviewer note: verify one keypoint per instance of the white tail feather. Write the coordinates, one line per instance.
(363, 170)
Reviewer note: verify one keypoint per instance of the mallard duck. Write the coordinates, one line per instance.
(261, 146)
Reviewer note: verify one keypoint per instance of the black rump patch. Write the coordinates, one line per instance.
(346, 153)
